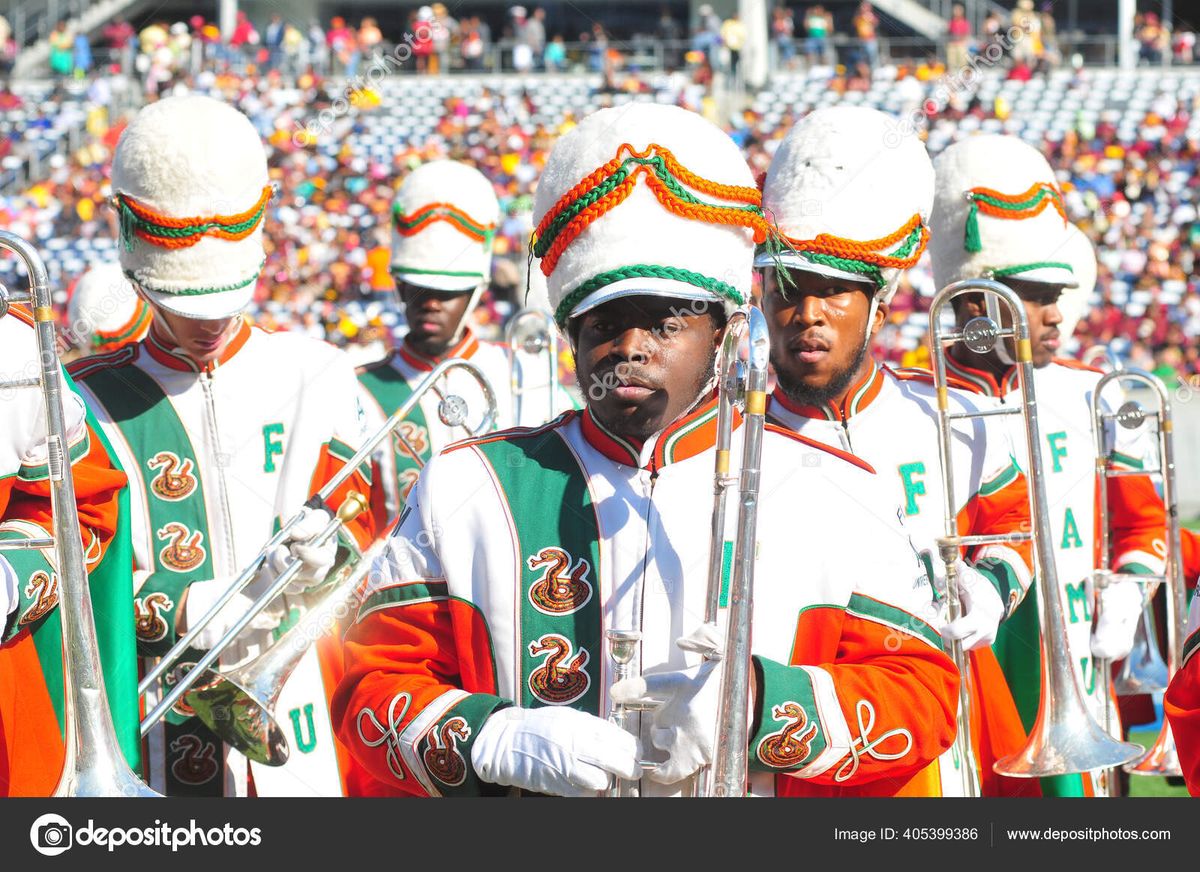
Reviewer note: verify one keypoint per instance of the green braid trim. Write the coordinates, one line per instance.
(1042, 194)
(396, 268)
(129, 222)
(198, 292)
(672, 184)
(644, 271)
(398, 219)
(1028, 267)
(862, 267)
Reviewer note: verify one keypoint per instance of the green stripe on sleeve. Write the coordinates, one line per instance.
(1001, 480)
(874, 610)
(789, 734)
(445, 750)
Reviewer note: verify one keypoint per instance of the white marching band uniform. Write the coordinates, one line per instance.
(218, 455)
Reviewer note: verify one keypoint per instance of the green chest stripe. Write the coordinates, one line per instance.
(391, 390)
(174, 495)
(558, 532)
(111, 586)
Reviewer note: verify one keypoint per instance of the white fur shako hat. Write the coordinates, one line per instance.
(850, 196)
(443, 222)
(1073, 302)
(105, 310)
(190, 185)
(646, 199)
(997, 212)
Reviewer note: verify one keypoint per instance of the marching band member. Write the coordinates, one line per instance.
(998, 213)
(105, 312)
(852, 211)
(443, 222)
(478, 663)
(225, 430)
(31, 690)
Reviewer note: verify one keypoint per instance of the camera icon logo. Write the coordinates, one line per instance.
(51, 834)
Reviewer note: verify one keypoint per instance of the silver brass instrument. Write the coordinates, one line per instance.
(623, 649)
(1161, 759)
(453, 412)
(1144, 670)
(240, 707)
(93, 763)
(728, 774)
(534, 332)
(1065, 737)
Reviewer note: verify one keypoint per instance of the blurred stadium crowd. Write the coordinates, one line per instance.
(1125, 146)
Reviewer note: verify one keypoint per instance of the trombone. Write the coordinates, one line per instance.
(534, 332)
(246, 727)
(1144, 670)
(1162, 758)
(1065, 737)
(728, 773)
(93, 764)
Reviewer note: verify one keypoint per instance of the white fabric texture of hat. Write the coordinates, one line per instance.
(646, 199)
(105, 310)
(190, 184)
(998, 212)
(850, 195)
(1073, 302)
(443, 222)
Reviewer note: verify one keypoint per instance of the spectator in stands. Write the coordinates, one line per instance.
(1151, 37)
(445, 31)
(733, 36)
(318, 54)
(556, 55)
(817, 30)
(598, 60)
(422, 44)
(472, 46)
(369, 36)
(708, 33)
(342, 42)
(670, 34)
(8, 51)
(783, 37)
(534, 35)
(273, 41)
(1027, 47)
(81, 55)
(118, 39)
(866, 25)
(522, 54)
(1184, 46)
(958, 41)
(62, 45)
(244, 35)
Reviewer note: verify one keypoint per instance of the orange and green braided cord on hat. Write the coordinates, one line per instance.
(414, 222)
(1028, 204)
(139, 220)
(608, 186)
(900, 249)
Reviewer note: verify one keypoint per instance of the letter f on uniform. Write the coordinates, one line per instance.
(913, 487)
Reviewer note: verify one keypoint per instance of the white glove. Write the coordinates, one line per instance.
(202, 594)
(1120, 610)
(553, 750)
(982, 610)
(685, 722)
(317, 560)
(9, 599)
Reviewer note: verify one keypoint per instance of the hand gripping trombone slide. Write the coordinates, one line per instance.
(93, 764)
(1065, 737)
(453, 410)
(1162, 758)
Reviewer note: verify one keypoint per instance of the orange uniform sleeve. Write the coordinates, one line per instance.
(868, 718)
(26, 512)
(1001, 507)
(418, 685)
(1181, 705)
